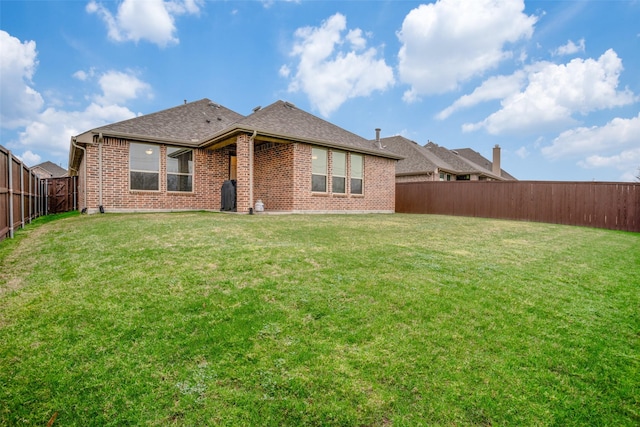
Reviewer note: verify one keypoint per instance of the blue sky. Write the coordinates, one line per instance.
(555, 83)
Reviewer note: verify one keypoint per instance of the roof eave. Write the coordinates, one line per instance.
(415, 173)
(236, 129)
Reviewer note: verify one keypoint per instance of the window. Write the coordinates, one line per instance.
(463, 178)
(318, 169)
(144, 167)
(179, 169)
(357, 163)
(338, 172)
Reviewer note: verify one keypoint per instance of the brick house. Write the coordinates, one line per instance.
(180, 158)
(433, 162)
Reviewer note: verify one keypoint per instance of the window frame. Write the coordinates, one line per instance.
(351, 174)
(146, 147)
(315, 151)
(335, 175)
(190, 173)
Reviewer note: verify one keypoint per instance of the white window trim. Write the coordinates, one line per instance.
(333, 175)
(193, 174)
(326, 172)
(158, 147)
(362, 156)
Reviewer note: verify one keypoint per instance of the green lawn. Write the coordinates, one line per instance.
(356, 320)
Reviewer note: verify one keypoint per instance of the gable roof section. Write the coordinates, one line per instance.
(284, 121)
(417, 160)
(204, 124)
(54, 170)
(461, 164)
(187, 124)
(479, 159)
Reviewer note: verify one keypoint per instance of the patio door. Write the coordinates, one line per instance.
(233, 167)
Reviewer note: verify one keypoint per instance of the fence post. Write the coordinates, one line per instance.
(22, 219)
(30, 196)
(46, 197)
(10, 172)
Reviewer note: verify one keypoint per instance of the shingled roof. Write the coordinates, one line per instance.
(187, 124)
(50, 169)
(417, 160)
(479, 159)
(205, 123)
(284, 121)
(421, 160)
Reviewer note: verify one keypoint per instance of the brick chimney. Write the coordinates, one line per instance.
(496, 161)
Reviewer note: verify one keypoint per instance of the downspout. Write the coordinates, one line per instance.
(100, 141)
(84, 172)
(251, 140)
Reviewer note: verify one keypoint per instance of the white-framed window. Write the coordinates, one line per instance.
(357, 174)
(144, 167)
(319, 170)
(338, 172)
(179, 169)
(445, 176)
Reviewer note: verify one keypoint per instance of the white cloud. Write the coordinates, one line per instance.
(284, 71)
(152, 20)
(118, 87)
(51, 130)
(328, 73)
(627, 162)
(522, 152)
(450, 41)
(84, 75)
(46, 133)
(30, 159)
(268, 3)
(580, 141)
(554, 93)
(20, 101)
(570, 48)
(497, 87)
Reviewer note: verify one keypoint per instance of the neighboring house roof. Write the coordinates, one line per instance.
(417, 160)
(49, 170)
(479, 159)
(420, 160)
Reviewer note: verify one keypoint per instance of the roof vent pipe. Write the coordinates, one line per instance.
(378, 143)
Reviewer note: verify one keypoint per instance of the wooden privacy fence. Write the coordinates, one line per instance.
(608, 205)
(24, 196)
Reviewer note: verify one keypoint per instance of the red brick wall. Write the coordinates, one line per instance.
(273, 176)
(210, 170)
(282, 180)
(378, 194)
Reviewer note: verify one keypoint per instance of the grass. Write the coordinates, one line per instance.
(365, 320)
